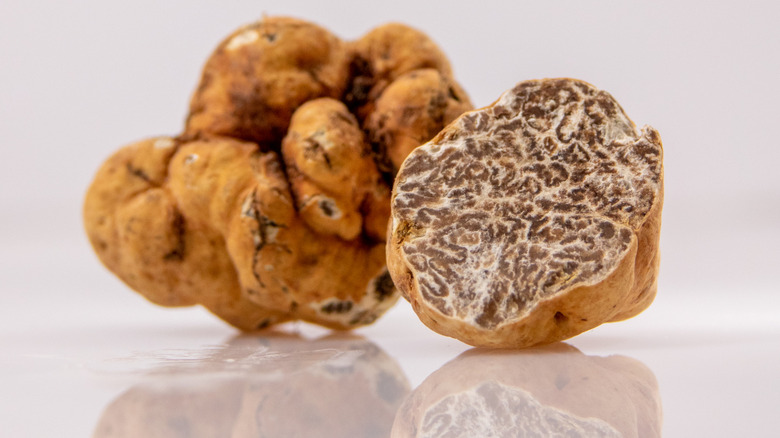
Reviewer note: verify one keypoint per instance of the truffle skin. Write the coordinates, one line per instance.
(332, 174)
(383, 55)
(531, 220)
(274, 202)
(260, 74)
(411, 111)
(212, 222)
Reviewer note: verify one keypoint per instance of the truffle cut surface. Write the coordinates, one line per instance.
(540, 193)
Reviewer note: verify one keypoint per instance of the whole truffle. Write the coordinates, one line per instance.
(273, 204)
(531, 220)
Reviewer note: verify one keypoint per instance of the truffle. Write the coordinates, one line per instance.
(273, 203)
(531, 220)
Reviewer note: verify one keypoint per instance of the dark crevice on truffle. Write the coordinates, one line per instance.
(261, 235)
(179, 230)
(313, 148)
(327, 207)
(451, 93)
(138, 172)
(384, 286)
(337, 307)
(363, 317)
(360, 84)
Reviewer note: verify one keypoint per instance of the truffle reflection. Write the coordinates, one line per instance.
(549, 391)
(277, 385)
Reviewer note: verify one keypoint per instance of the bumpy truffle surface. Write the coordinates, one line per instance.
(273, 203)
(383, 55)
(411, 111)
(261, 73)
(531, 220)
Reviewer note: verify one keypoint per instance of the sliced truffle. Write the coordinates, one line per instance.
(531, 220)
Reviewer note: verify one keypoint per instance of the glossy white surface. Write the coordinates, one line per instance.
(94, 353)
(79, 350)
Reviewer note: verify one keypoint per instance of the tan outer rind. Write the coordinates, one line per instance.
(384, 54)
(583, 308)
(409, 112)
(259, 75)
(620, 391)
(330, 170)
(182, 226)
(647, 263)
(139, 233)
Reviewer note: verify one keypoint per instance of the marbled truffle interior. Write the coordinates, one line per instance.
(514, 203)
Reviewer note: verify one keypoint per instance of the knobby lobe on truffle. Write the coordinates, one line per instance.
(411, 111)
(260, 74)
(383, 55)
(273, 204)
(332, 174)
(541, 193)
(221, 230)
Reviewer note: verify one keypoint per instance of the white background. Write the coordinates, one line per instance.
(79, 79)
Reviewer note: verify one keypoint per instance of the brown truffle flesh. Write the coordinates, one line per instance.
(531, 220)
